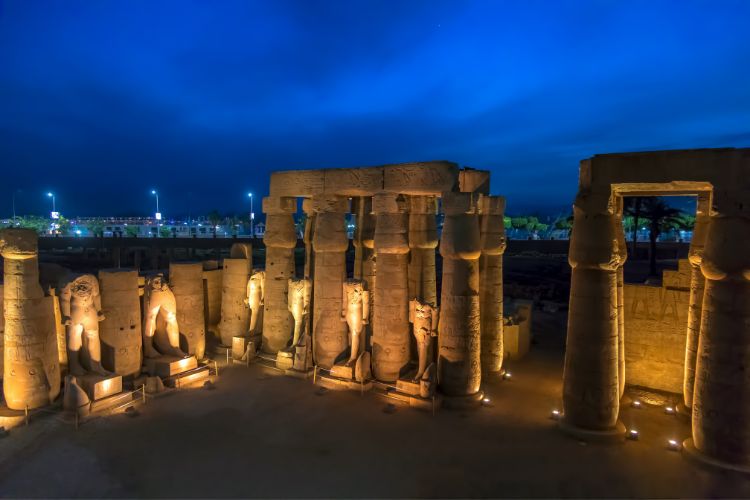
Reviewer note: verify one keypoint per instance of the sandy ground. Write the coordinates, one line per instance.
(257, 434)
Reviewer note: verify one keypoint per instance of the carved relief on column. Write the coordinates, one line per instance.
(459, 331)
(280, 239)
(31, 370)
(390, 334)
(330, 335)
(187, 285)
(121, 328)
(492, 240)
(721, 401)
(591, 398)
(697, 283)
(423, 241)
(235, 316)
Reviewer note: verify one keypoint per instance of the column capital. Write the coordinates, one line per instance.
(330, 203)
(455, 203)
(491, 205)
(18, 243)
(389, 203)
(423, 205)
(278, 205)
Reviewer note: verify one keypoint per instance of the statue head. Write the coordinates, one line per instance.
(354, 290)
(157, 283)
(84, 285)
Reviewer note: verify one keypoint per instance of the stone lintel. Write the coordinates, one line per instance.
(432, 177)
(474, 181)
(330, 203)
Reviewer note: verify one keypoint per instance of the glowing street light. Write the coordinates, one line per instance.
(158, 214)
(252, 215)
(54, 214)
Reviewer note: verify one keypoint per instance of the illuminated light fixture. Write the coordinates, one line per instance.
(636, 404)
(633, 435)
(486, 400)
(673, 445)
(555, 415)
(507, 376)
(669, 410)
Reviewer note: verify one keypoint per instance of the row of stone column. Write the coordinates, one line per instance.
(395, 241)
(717, 354)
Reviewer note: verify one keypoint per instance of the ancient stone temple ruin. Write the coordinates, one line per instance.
(361, 316)
(716, 386)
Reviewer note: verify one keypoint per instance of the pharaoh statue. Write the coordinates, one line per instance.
(355, 310)
(161, 334)
(299, 306)
(81, 308)
(254, 300)
(424, 317)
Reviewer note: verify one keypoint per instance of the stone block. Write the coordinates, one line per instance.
(100, 386)
(169, 366)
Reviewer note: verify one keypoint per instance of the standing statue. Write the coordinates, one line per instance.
(160, 320)
(81, 308)
(255, 294)
(424, 317)
(355, 310)
(299, 306)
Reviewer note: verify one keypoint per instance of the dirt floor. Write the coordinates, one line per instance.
(258, 434)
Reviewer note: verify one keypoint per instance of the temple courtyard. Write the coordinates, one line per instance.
(258, 434)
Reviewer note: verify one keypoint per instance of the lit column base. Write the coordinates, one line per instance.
(462, 402)
(617, 433)
(683, 412)
(692, 453)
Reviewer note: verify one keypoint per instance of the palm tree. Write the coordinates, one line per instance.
(214, 218)
(661, 217)
(633, 209)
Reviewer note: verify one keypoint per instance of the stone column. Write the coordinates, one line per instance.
(390, 334)
(697, 282)
(212, 296)
(121, 329)
(280, 239)
(721, 401)
(492, 241)
(235, 318)
(364, 254)
(330, 334)
(459, 329)
(187, 285)
(591, 398)
(423, 241)
(622, 249)
(31, 370)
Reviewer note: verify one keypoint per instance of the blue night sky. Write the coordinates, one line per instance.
(102, 101)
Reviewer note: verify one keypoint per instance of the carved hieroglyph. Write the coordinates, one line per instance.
(161, 333)
(492, 241)
(330, 339)
(235, 316)
(390, 335)
(424, 319)
(355, 311)
(255, 300)
(459, 368)
(121, 329)
(423, 241)
(280, 239)
(31, 370)
(187, 285)
(81, 307)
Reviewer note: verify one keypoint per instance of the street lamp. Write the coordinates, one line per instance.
(54, 214)
(252, 215)
(158, 214)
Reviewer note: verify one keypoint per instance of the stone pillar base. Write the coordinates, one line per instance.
(683, 412)
(692, 453)
(462, 402)
(617, 433)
